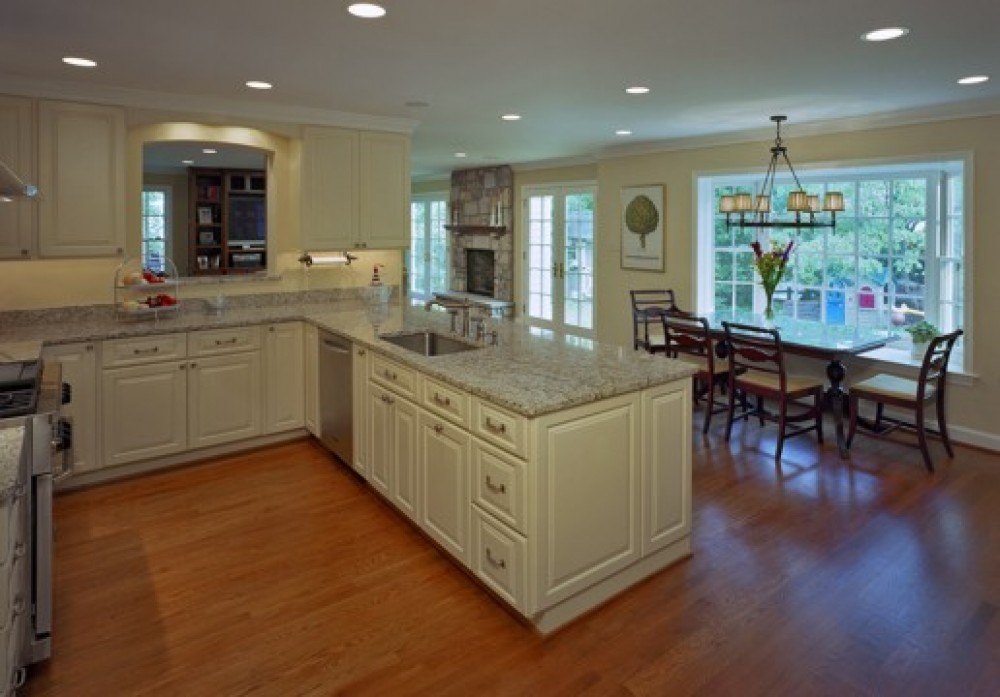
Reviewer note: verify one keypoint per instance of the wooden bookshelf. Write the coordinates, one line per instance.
(228, 221)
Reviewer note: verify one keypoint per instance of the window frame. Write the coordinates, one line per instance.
(168, 202)
(427, 199)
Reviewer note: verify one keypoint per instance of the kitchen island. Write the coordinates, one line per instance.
(555, 469)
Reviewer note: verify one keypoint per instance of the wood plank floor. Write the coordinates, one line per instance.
(279, 573)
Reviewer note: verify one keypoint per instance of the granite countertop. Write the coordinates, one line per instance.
(530, 372)
(11, 439)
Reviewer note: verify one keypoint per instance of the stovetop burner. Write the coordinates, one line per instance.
(18, 387)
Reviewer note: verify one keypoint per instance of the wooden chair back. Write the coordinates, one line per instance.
(934, 369)
(753, 350)
(689, 335)
(648, 306)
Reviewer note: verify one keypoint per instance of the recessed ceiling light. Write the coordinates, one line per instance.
(637, 89)
(885, 34)
(623, 132)
(210, 151)
(511, 117)
(366, 10)
(258, 85)
(79, 62)
(187, 162)
(417, 104)
(460, 154)
(974, 80)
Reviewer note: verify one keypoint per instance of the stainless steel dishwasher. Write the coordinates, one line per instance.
(336, 404)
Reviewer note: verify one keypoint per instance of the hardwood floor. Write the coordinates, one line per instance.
(280, 573)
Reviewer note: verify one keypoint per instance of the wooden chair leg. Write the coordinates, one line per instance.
(818, 406)
(878, 417)
(782, 417)
(730, 413)
(942, 426)
(852, 402)
(922, 438)
(709, 405)
(760, 409)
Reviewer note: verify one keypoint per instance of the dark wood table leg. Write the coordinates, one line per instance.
(836, 372)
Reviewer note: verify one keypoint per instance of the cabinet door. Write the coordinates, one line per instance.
(359, 394)
(311, 379)
(144, 411)
(666, 466)
(225, 399)
(384, 190)
(329, 188)
(284, 369)
(587, 480)
(17, 217)
(81, 171)
(443, 462)
(405, 463)
(381, 447)
(79, 371)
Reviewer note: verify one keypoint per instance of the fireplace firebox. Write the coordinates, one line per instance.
(480, 271)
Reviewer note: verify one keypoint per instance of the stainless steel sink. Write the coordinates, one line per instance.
(428, 343)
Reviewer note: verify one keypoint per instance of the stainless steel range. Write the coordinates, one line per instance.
(31, 397)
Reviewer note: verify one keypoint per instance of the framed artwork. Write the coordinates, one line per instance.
(205, 216)
(642, 228)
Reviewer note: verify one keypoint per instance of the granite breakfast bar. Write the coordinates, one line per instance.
(555, 469)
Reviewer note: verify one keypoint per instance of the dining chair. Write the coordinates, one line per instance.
(757, 369)
(687, 338)
(910, 395)
(647, 307)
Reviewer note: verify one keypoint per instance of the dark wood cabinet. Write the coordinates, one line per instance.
(228, 221)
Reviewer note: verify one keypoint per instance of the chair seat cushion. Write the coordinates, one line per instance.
(890, 386)
(701, 363)
(793, 383)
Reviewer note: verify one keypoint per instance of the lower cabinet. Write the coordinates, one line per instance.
(224, 399)
(359, 394)
(284, 375)
(443, 462)
(79, 371)
(310, 387)
(554, 514)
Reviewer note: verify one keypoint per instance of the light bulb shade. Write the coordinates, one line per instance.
(727, 204)
(798, 201)
(814, 204)
(833, 201)
(743, 202)
(763, 204)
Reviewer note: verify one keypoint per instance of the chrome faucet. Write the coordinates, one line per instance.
(453, 307)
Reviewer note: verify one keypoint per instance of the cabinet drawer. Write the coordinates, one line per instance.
(498, 558)
(498, 485)
(211, 342)
(448, 402)
(500, 427)
(393, 375)
(143, 349)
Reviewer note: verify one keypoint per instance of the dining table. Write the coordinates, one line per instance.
(832, 343)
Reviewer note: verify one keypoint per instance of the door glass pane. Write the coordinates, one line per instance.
(540, 224)
(577, 267)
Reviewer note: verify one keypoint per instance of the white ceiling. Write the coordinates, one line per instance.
(717, 68)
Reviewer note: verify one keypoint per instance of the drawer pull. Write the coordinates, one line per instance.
(446, 401)
(499, 563)
(495, 427)
(495, 488)
(389, 375)
(438, 428)
(145, 351)
(20, 677)
(226, 342)
(387, 399)
(361, 352)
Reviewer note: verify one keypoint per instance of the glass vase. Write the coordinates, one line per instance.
(769, 309)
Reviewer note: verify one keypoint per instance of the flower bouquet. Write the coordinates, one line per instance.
(771, 267)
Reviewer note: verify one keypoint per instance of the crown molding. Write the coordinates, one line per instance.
(189, 103)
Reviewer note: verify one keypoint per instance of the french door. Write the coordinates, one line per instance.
(428, 257)
(559, 257)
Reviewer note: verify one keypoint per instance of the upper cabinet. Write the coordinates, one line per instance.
(355, 189)
(81, 175)
(17, 221)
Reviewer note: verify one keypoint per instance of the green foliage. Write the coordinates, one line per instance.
(922, 332)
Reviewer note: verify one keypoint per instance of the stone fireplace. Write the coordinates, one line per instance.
(481, 249)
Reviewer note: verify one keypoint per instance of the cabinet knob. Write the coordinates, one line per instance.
(495, 488)
(499, 563)
(438, 428)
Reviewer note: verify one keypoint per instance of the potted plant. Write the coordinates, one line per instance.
(921, 333)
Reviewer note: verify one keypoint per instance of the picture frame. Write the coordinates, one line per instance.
(642, 220)
(204, 215)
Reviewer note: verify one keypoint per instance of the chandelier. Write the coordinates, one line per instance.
(743, 210)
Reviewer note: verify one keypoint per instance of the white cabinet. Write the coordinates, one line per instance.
(168, 393)
(356, 189)
(17, 140)
(79, 371)
(359, 394)
(392, 446)
(310, 385)
(81, 174)
(15, 590)
(224, 398)
(284, 375)
(144, 410)
(666, 466)
(443, 451)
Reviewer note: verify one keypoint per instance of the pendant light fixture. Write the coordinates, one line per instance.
(745, 211)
